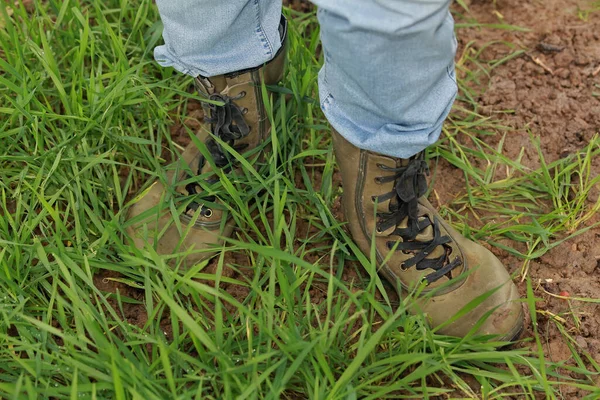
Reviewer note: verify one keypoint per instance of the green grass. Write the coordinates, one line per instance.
(585, 12)
(85, 118)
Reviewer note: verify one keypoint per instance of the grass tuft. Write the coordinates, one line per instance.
(87, 122)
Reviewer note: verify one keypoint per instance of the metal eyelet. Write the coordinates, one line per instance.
(373, 199)
(207, 213)
(242, 94)
(403, 267)
(378, 180)
(244, 111)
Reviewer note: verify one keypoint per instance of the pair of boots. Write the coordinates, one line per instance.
(383, 201)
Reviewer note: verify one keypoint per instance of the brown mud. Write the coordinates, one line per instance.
(547, 92)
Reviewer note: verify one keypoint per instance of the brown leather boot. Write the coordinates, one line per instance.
(384, 201)
(200, 220)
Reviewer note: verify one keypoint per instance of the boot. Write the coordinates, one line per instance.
(384, 201)
(201, 221)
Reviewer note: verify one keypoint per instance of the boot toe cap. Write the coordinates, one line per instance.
(507, 319)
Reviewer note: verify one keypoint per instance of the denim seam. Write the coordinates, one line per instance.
(262, 36)
(450, 70)
(327, 102)
(179, 65)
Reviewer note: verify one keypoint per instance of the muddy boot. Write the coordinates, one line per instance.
(384, 200)
(201, 221)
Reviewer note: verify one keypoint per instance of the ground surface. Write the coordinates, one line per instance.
(550, 92)
(295, 314)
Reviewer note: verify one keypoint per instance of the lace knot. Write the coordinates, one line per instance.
(410, 183)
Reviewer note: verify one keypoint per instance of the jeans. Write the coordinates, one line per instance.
(387, 83)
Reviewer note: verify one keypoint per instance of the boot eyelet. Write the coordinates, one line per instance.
(244, 111)
(373, 199)
(242, 94)
(403, 267)
(406, 252)
(378, 180)
(378, 230)
(207, 213)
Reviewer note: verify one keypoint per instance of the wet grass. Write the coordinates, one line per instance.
(85, 118)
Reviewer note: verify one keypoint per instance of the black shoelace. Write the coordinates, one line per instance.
(410, 184)
(228, 124)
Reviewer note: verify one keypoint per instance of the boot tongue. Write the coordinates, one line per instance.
(209, 86)
(426, 235)
(219, 83)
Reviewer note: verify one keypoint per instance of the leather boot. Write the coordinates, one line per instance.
(200, 221)
(383, 200)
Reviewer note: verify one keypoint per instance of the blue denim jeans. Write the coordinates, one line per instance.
(387, 83)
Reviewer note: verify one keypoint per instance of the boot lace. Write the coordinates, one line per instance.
(410, 185)
(228, 124)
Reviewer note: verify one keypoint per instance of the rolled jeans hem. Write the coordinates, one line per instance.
(164, 58)
(216, 37)
(390, 139)
(387, 83)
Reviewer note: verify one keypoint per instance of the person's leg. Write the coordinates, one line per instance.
(388, 80)
(231, 47)
(386, 87)
(215, 37)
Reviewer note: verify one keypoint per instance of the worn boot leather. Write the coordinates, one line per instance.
(384, 201)
(199, 223)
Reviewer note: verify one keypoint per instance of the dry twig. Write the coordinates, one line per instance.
(540, 63)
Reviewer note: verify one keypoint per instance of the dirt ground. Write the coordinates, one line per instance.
(550, 90)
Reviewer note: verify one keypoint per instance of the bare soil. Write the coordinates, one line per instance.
(549, 94)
